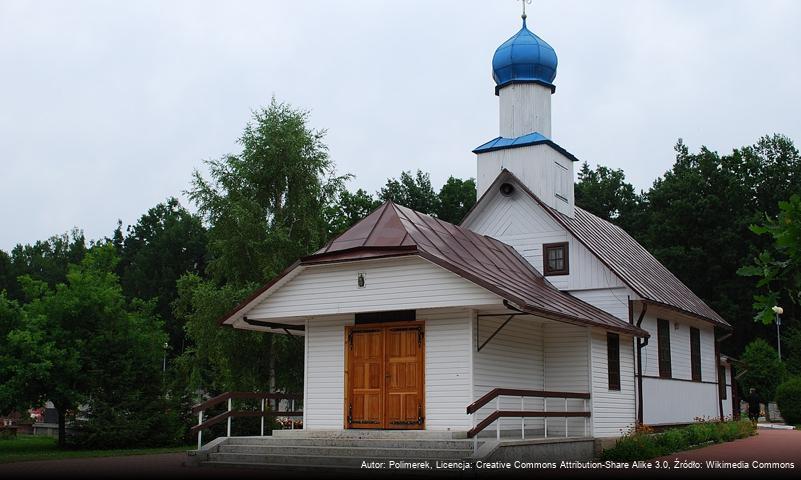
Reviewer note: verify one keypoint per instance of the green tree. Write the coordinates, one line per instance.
(349, 208)
(605, 193)
(696, 221)
(266, 206)
(8, 282)
(791, 349)
(79, 344)
(165, 243)
(414, 192)
(222, 358)
(47, 260)
(455, 199)
(778, 268)
(762, 369)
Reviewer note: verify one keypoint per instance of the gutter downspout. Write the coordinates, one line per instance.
(717, 372)
(641, 343)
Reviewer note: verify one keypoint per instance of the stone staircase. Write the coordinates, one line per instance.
(335, 450)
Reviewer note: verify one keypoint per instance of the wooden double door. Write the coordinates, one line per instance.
(384, 376)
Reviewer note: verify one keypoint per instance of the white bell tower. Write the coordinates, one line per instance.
(524, 68)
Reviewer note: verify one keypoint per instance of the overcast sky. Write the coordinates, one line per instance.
(106, 107)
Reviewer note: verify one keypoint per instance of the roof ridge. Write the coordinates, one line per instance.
(387, 205)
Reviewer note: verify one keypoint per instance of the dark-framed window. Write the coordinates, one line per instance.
(555, 259)
(613, 360)
(663, 339)
(722, 381)
(695, 354)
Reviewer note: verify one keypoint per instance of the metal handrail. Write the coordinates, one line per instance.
(497, 393)
(515, 392)
(230, 413)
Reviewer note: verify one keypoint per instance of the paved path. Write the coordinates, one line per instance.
(164, 465)
(769, 446)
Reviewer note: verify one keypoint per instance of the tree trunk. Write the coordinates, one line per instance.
(62, 426)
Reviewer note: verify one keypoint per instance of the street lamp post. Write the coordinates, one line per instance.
(164, 361)
(778, 311)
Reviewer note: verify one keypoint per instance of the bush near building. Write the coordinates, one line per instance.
(788, 399)
(644, 444)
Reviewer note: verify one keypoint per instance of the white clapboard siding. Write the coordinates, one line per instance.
(613, 411)
(512, 359)
(390, 284)
(522, 223)
(611, 300)
(678, 401)
(524, 108)
(324, 391)
(679, 348)
(567, 369)
(448, 368)
(536, 167)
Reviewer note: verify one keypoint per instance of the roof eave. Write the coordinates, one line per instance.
(551, 315)
(253, 296)
(715, 322)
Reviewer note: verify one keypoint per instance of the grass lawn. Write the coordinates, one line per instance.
(28, 447)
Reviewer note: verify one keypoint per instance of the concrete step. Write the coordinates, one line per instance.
(283, 467)
(349, 442)
(372, 434)
(309, 461)
(302, 470)
(360, 452)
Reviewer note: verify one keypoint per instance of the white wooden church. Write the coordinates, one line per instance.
(532, 319)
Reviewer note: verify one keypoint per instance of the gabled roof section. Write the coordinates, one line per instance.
(393, 230)
(534, 138)
(629, 260)
(636, 266)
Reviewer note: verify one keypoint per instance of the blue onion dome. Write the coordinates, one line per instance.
(524, 58)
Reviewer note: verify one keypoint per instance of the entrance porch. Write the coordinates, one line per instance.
(483, 373)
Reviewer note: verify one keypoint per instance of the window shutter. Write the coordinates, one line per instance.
(663, 334)
(695, 353)
(613, 360)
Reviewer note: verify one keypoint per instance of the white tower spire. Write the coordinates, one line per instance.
(524, 68)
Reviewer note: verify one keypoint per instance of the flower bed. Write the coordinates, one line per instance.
(644, 444)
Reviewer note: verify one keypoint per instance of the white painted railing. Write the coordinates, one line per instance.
(265, 411)
(499, 413)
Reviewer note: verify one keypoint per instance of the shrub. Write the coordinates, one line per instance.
(642, 445)
(763, 370)
(673, 440)
(788, 399)
(633, 446)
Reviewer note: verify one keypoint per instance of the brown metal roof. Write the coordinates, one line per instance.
(393, 230)
(629, 260)
(636, 266)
